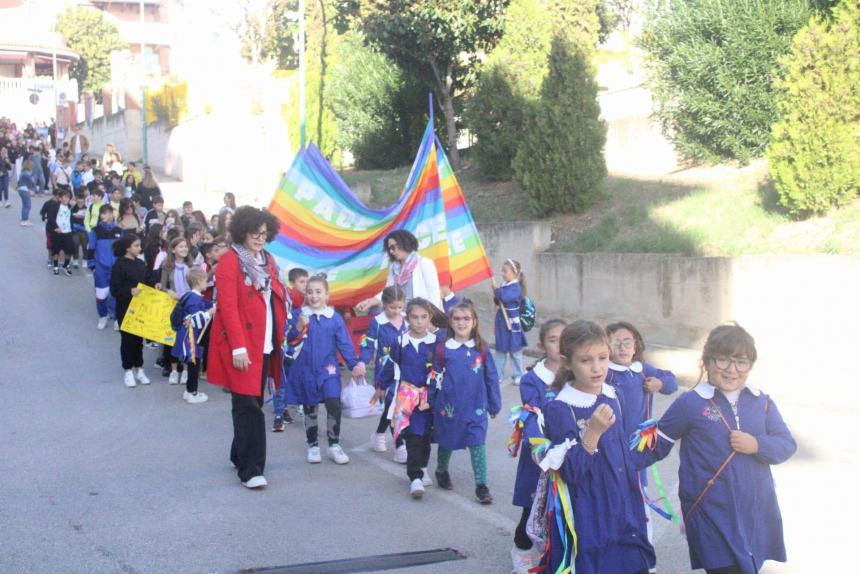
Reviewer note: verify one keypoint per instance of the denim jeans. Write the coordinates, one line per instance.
(4, 187)
(25, 203)
(516, 364)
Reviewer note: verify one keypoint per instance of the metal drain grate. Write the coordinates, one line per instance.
(364, 564)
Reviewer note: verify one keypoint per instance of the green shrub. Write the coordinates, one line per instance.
(380, 109)
(815, 154)
(711, 70)
(560, 162)
(514, 72)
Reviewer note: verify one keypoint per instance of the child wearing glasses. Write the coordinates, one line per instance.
(467, 390)
(636, 381)
(732, 433)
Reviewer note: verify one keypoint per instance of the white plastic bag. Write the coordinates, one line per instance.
(355, 399)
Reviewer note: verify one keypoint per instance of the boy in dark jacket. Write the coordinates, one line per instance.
(194, 312)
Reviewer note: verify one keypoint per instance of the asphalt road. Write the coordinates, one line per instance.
(95, 477)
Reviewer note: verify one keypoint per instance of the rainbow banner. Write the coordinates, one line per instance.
(325, 227)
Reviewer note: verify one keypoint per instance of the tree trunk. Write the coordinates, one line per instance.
(446, 94)
(321, 96)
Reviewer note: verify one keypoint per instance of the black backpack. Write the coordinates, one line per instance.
(177, 316)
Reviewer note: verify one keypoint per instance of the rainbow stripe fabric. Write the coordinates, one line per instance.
(325, 227)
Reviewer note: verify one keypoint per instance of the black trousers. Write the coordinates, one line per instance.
(193, 376)
(130, 350)
(248, 451)
(169, 359)
(725, 570)
(417, 454)
(521, 538)
(385, 422)
(333, 412)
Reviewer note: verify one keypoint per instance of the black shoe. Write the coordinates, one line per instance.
(278, 425)
(165, 371)
(288, 418)
(483, 494)
(443, 480)
(68, 271)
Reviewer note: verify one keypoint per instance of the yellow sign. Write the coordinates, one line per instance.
(148, 315)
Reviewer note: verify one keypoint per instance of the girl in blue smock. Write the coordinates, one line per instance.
(467, 391)
(410, 372)
(636, 381)
(510, 337)
(383, 332)
(314, 377)
(589, 453)
(732, 433)
(535, 392)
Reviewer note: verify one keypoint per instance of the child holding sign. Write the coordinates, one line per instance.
(127, 272)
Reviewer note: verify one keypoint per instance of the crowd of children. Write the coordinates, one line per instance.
(584, 433)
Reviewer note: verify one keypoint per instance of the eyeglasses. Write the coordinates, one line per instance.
(742, 364)
(392, 247)
(258, 235)
(622, 343)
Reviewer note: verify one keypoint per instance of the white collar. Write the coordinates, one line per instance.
(449, 296)
(328, 312)
(543, 373)
(196, 292)
(407, 339)
(453, 344)
(506, 283)
(706, 390)
(635, 367)
(382, 318)
(577, 398)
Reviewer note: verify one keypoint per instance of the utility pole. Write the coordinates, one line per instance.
(302, 71)
(143, 142)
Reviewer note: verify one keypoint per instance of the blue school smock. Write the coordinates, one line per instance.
(100, 257)
(534, 391)
(376, 345)
(466, 393)
(637, 403)
(738, 521)
(192, 303)
(512, 340)
(315, 374)
(608, 514)
(414, 361)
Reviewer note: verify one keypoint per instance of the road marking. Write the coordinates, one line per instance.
(469, 505)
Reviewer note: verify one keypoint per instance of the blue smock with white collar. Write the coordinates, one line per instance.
(608, 514)
(738, 521)
(315, 374)
(376, 345)
(535, 390)
(512, 340)
(414, 360)
(468, 391)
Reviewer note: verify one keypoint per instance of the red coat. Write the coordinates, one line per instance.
(240, 321)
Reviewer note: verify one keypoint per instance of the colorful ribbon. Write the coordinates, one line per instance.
(517, 418)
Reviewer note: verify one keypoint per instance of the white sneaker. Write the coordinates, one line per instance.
(426, 481)
(183, 377)
(314, 455)
(335, 453)
(102, 323)
(26, 224)
(516, 381)
(379, 442)
(173, 379)
(129, 379)
(116, 325)
(255, 482)
(141, 377)
(416, 489)
(400, 454)
(196, 398)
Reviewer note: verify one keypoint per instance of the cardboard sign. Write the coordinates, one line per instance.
(148, 315)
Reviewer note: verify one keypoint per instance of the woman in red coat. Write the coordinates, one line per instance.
(247, 334)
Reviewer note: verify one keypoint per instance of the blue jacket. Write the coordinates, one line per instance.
(316, 368)
(608, 513)
(195, 305)
(413, 359)
(467, 391)
(628, 382)
(100, 245)
(376, 345)
(738, 520)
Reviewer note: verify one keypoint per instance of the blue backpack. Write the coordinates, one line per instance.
(527, 314)
(177, 316)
